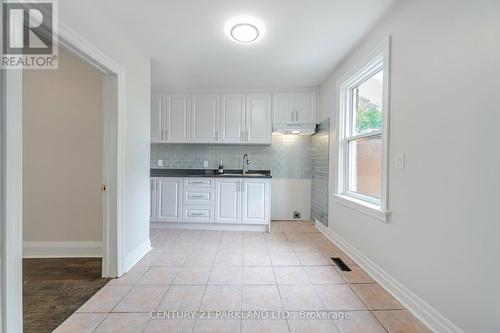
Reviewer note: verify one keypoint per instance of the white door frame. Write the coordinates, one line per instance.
(113, 152)
(11, 174)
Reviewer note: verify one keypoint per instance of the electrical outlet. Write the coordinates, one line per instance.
(296, 215)
(160, 163)
(205, 164)
(400, 161)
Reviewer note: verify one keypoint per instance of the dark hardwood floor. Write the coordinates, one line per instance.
(55, 288)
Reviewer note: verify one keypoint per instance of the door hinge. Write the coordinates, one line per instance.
(103, 188)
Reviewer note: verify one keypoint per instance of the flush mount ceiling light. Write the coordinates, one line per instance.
(245, 29)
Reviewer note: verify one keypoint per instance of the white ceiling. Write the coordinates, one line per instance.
(304, 39)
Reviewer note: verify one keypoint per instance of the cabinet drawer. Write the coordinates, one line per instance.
(199, 182)
(199, 196)
(198, 213)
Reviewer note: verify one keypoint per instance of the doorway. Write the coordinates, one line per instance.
(63, 144)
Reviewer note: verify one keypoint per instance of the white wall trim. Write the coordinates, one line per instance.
(136, 255)
(417, 306)
(62, 249)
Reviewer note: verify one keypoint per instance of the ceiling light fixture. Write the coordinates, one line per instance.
(245, 29)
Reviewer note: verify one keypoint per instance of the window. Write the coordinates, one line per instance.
(363, 126)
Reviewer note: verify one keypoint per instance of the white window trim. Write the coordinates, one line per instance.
(378, 59)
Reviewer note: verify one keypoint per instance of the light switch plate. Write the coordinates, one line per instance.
(205, 164)
(400, 161)
(160, 162)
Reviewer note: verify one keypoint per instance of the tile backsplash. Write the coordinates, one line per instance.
(289, 156)
(320, 162)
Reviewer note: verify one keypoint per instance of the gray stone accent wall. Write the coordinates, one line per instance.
(289, 156)
(320, 162)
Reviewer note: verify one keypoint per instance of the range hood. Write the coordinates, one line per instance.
(295, 129)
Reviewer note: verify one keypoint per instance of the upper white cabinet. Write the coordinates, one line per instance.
(294, 108)
(205, 116)
(305, 108)
(170, 118)
(228, 117)
(157, 118)
(232, 118)
(258, 118)
(283, 108)
(177, 118)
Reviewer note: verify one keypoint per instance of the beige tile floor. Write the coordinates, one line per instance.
(284, 272)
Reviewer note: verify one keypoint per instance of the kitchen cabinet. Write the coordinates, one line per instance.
(157, 118)
(169, 199)
(205, 116)
(232, 118)
(305, 107)
(256, 201)
(258, 118)
(152, 211)
(294, 108)
(222, 201)
(228, 208)
(177, 118)
(283, 108)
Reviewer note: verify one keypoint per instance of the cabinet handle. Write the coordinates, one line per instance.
(196, 214)
(292, 115)
(247, 135)
(297, 116)
(197, 196)
(242, 184)
(216, 135)
(195, 182)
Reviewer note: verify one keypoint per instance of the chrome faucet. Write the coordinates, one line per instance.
(246, 162)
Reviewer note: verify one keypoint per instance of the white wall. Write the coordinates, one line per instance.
(442, 239)
(62, 152)
(288, 195)
(86, 20)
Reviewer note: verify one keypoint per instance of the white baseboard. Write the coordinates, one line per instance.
(62, 249)
(136, 255)
(417, 306)
(210, 226)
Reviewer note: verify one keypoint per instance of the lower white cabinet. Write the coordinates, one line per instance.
(228, 194)
(211, 200)
(169, 199)
(255, 201)
(198, 213)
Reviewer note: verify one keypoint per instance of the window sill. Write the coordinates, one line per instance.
(363, 207)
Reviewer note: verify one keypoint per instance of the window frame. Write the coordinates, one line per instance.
(377, 60)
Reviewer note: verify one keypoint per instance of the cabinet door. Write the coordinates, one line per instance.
(152, 211)
(255, 204)
(169, 199)
(177, 118)
(157, 117)
(283, 107)
(204, 118)
(232, 118)
(228, 201)
(258, 119)
(305, 108)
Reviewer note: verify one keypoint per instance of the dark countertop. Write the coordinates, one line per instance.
(209, 173)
